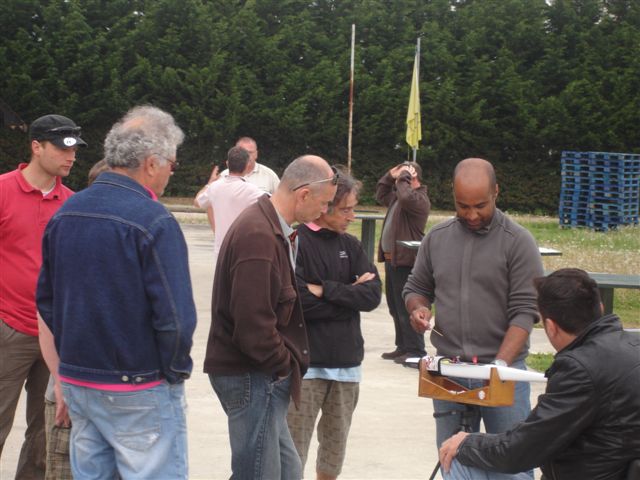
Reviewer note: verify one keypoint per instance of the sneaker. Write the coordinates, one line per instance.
(392, 355)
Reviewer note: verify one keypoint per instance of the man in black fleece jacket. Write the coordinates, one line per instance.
(336, 282)
(587, 423)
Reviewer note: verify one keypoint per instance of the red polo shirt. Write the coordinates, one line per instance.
(24, 213)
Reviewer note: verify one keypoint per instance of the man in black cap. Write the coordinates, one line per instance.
(29, 196)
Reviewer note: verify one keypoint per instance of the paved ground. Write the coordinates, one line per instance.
(393, 431)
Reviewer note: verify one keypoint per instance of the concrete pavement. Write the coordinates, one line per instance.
(393, 430)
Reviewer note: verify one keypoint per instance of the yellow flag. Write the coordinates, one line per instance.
(414, 126)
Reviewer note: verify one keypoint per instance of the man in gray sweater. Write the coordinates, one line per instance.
(477, 269)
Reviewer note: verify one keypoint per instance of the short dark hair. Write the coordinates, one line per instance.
(237, 158)
(346, 184)
(569, 297)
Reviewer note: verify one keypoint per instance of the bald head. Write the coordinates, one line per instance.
(305, 190)
(475, 170)
(475, 191)
(250, 145)
(307, 169)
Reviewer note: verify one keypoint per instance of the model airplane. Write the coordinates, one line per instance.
(449, 367)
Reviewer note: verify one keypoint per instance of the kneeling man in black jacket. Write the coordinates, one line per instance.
(587, 423)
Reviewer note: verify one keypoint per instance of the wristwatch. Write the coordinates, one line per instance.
(499, 362)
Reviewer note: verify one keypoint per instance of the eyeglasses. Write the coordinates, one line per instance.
(174, 164)
(333, 179)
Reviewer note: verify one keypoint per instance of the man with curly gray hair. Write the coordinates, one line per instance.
(117, 312)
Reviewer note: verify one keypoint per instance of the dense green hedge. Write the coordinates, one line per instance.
(514, 81)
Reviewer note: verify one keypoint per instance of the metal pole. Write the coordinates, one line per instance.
(353, 43)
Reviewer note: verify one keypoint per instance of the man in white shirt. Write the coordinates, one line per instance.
(260, 175)
(229, 195)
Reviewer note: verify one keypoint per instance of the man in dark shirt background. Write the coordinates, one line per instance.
(401, 191)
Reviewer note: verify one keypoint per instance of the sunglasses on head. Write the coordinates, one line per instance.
(65, 131)
(333, 179)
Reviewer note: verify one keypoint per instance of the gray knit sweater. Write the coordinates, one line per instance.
(480, 282)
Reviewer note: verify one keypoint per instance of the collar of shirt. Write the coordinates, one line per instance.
(313, 226)
(27, 187)
(482, 231)
(240, 178)
(225, 174)
(288, 230)
(152, 193)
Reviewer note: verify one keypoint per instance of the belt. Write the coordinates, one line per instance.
(388, 256)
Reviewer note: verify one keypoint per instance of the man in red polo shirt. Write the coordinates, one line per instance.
(29, 196)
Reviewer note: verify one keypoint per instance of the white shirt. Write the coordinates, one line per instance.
(228, 196)
(261, 176)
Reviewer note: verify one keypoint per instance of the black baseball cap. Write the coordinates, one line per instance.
(59, 130)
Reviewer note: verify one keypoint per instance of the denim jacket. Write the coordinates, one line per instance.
(114, 287)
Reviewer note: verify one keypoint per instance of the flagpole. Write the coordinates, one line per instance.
(418, 75)
(353, 43)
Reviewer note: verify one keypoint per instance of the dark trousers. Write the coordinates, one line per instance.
(21, 364)
(407, 339)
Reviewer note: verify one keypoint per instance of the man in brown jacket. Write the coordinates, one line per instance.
(400, 190)
(257, 350)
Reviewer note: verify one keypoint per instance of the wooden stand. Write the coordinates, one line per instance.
(496, 394)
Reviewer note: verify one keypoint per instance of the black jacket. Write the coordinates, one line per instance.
(587, 423)
(333, 322)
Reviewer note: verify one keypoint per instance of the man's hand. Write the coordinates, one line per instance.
(315, 289)
(62, 413)
(412, 170)
(420, 319)
(365, 277)
(449, 450)
(212, 178)
(396, 171)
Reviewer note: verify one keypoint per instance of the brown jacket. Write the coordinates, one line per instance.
(410, 217)
(257, 322)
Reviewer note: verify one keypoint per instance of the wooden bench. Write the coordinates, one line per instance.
(549, 252)
(608, 282)
(368, 232)
(544, 251)
(368, 236)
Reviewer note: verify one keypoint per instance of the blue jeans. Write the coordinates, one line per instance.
(462, 472)
(495, 419)
(261, 446)
(140, 435)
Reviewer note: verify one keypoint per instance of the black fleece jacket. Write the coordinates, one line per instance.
(333, 322)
